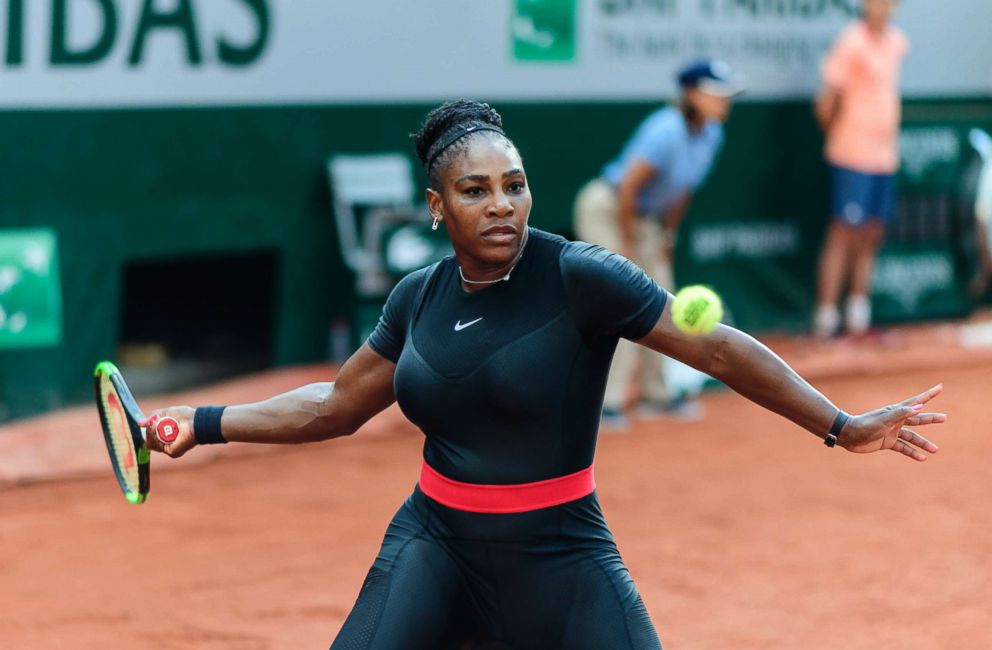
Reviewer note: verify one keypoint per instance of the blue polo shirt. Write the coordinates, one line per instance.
(681, 158)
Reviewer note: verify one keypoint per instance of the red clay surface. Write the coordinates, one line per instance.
(741, 530)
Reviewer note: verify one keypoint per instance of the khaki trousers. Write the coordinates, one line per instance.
(596, 222)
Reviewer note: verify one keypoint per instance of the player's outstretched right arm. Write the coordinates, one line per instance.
(314, 412)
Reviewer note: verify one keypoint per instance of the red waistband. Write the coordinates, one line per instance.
(502, 499)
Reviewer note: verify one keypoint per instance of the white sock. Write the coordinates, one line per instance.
(857, 314)
(826, 320)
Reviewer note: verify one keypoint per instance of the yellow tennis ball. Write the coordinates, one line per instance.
(697, 309)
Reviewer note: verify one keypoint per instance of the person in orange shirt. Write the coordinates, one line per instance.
(859, 108)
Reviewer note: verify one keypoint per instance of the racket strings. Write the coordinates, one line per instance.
(119, 437)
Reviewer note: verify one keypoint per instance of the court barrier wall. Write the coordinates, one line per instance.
(118, 186)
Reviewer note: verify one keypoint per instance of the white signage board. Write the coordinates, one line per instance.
(79, 53)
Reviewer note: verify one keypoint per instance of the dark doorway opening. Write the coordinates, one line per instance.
(190, 320)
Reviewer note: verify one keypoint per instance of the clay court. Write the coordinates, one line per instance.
(740, 530)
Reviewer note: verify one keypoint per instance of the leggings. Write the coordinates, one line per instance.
(448, 579)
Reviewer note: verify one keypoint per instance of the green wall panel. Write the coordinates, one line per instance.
(139, 184)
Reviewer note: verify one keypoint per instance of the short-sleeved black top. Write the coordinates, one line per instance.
(507, 383)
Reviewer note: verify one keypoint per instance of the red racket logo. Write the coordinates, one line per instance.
(167, 429)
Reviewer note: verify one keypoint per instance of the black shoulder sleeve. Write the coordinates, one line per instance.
(608, 295)
(389, 334)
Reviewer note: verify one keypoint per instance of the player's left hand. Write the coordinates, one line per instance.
(889, 428)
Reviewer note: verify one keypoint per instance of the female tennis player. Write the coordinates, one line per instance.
(500, 354)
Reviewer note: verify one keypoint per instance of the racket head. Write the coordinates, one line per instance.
(119, 418)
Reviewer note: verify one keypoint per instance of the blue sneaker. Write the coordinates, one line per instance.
(614, 420)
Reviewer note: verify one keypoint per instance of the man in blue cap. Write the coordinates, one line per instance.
(636, 205)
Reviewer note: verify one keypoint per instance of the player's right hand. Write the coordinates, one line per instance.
(183, 442)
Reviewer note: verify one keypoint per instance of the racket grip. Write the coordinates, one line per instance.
(166, 429)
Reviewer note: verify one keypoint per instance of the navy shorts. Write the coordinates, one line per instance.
(857, 198)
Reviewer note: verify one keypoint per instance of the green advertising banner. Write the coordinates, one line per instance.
(921, 271)
(913, 282)
(30, 289)
(544, 30)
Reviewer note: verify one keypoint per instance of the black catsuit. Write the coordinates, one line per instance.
(507, 385)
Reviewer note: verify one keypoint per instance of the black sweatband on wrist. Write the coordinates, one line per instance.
(836, 428)
(206, 425)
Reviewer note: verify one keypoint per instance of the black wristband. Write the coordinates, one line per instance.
(206, 425)
(836, 428)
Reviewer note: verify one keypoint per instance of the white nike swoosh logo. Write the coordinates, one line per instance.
(459, 327)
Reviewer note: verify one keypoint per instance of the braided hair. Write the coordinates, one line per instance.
(448, 129)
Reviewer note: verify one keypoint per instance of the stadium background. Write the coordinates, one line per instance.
(173, 148)
(165, 202)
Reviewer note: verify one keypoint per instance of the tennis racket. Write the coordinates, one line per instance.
(120, 417)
